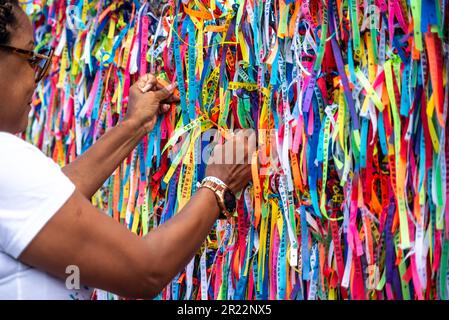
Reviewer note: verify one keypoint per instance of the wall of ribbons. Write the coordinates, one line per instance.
(349, 100)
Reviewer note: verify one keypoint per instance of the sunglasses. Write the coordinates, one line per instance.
(39, 61)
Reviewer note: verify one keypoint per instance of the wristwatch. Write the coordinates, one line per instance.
(225, 197)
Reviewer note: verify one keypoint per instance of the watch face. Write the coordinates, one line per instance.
(229, 200)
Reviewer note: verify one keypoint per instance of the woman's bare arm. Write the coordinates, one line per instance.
(112, 258)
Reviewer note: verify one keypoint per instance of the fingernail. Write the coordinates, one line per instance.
(146, 88)
(170, 87)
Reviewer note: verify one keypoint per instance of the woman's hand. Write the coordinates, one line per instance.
(146, 100)
(231, 161)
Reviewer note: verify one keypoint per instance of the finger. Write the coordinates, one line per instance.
(252, 143)
(247, 139)
(159, 85)
(141, 82)
(231, 151)
(147, 82)
(235, 141)
(215, 156)
(166, 92)
(164, 108)
(162, 83)
(149, 78)
(172, 99)
(147, 88)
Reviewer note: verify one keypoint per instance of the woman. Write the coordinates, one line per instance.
(46, 220)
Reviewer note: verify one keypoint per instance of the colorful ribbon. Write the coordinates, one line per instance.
(349, 100)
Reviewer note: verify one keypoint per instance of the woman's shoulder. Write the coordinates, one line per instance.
(15, 151)
(10, 142)
(24, 166)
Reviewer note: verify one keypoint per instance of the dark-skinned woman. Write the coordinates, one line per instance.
(47, 222)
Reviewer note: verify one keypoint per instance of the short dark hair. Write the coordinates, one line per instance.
(7, 19)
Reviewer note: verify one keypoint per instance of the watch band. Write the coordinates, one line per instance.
(216, 180)
(219, 188)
